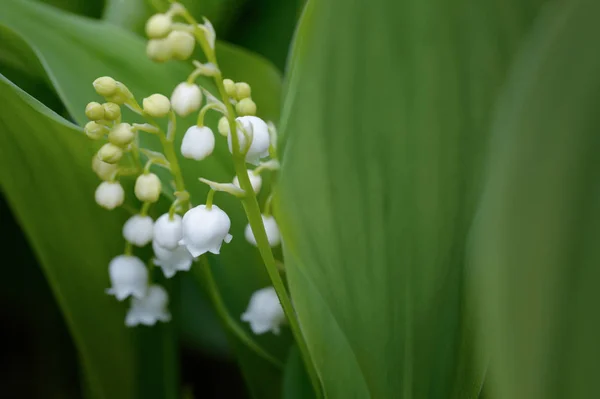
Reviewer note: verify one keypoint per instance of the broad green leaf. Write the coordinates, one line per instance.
(296, 384)
(384, 130)
(535, 245)
(74, 51)
(45, 175)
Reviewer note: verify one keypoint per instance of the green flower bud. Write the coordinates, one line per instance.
(229, 87)
(105, 86)
(94, 130)
(242, 90)
(105, 171)
(110, 153)
(158, 26)
(121, 96)
(182, 44)
(156, 105)
(94, 111)
(223, 126)
(148, 187)
(121, 135)
(112, 111)
(159, 50)
(246, 107)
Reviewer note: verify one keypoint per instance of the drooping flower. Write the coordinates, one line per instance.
(138, 230)
(259, 132)
(264, 312)
(147, 187)
(198, 143)
(167, 231)
(186, 98)
(273, 235)
(110, 195)
(150, 308)
(255, 181)
(204, 230)
(172, 261)
(128, 276)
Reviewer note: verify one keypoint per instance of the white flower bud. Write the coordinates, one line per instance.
(105, 171)
(159, 50)
(198, 143)
(128, 277)
(172, 261)
(229, 87)
(264, 312)
(259, 148)
(138, 230)
(246, 107)
(271, 228)
(94, 111)
(182, 44)
(204, 230)
(110, 195)
(242, 90)
(148, 187)
(223, 126)
(112, 111)
(255, 181)
(121, 135)
(94, 130)
(167, 231)
(156, 105)
(110, 153)
(159, 25)
(186, 98)
(105, 86)
(150, 308)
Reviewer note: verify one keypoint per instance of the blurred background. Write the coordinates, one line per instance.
(38, 358)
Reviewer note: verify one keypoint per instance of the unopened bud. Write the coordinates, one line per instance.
(94, 111)
(159, 50)
(156, 105)
(148, 187)
(110, 153)
(112, 111)
(121, 135)
(182, 44)
(105, 86)
(158, 26)
(246, 107)
(121, 95)
(105, 171)
(94, 130)
(242, 90)
(223, 126)
(186, 98)
(229, 87)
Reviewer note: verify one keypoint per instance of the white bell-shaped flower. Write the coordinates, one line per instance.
(204, 230)
(271, 228)
(198, 143)
(264, 312)
(167, 231)
(255, 181)
(110, 195)
(259, 131)
(172, 261)
(186, 98)
(128, 276)
(138, 230)
(150, 308)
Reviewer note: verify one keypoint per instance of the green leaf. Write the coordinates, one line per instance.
(45, 175)
(296, 384)
(74, 51)
(384, 134)
(535, 243)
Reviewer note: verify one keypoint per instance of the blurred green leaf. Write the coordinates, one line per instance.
(74, 51)
(89, 8)
(296, 384)
(46, 177)
(535, 243)
(384, 130)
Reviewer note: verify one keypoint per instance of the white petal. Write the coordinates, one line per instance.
(171, 261)
(109, 195)
(138, 230)
(271, 228)
(198, 143)
(167, 231)
(128, 276)
(264, 312)
(186, 98)
(261, 140)
(205, 229)
(150, 308)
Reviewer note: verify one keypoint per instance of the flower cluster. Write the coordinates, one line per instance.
(184, 232)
